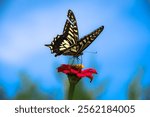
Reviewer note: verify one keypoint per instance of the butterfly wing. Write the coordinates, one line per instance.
(71, 29)
(83, 43)
(68, 43)
(68, 38)
(57, 42)
(71, 25)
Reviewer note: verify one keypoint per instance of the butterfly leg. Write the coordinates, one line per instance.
(75, 60)
(81, 59)
(71, 60)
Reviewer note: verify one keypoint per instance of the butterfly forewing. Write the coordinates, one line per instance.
(84, 42)
(70, 28)
(69, 33)
(73, 20)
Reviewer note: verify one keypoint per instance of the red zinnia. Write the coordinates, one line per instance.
(77, 70)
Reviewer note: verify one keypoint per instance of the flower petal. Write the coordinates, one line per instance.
(89, 70)
(76, 70)
(63, 67)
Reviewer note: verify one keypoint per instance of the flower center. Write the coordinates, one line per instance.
(77, 66)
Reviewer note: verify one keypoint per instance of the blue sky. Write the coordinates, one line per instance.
(123, 47)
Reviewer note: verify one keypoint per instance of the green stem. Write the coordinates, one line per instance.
(73, 80)
(71, 91)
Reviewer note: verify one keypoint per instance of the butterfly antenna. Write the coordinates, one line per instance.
(91, 52)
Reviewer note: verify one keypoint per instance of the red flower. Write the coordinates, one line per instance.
(77, 70)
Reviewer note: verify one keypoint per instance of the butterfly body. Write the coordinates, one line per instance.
(69, 43)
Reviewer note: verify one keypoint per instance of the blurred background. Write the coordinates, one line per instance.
(29, 71)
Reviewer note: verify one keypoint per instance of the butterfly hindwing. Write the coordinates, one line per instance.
(55, 44)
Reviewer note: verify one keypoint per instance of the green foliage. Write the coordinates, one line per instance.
(135, 89)
(147, 93)
(2, 94)
(83, 93)
(29, 90)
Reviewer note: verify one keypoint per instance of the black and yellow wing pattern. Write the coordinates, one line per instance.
(84, 42)
(68, 43)
(68, 38)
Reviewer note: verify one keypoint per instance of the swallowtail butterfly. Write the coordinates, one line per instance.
(68, 43)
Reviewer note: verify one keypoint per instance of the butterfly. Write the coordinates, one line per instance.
(69, 43)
